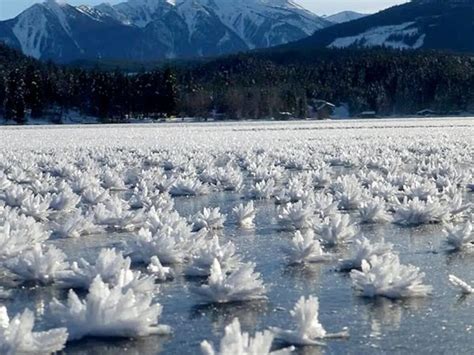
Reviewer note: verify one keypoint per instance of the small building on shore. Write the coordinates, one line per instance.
(367, 114)
(427, 112)
(321, 110)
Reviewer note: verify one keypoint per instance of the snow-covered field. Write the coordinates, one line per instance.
(312, 237)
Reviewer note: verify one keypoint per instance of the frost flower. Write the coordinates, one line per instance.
(263, 190)
(162, 273)
(335, 230)
(417, 212)
(208, 218)
(324, 205)
(385, 276)
(188, 187)
(308, 329)
(115, 214)
(235, 342)
(243, 284)
(112, 267)
(39, 264)
(304, 248)
(19, 235)
(109, 312)
(374, 211)
(75, 226)
(36, 206)
(207, 252)
(296, 216)
(164, 244)
(17, 336)
(459, 237)
(245, 215)
(363, 249)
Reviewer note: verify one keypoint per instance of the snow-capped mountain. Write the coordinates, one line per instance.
(425, 24)
(344, 16)
(156, 29)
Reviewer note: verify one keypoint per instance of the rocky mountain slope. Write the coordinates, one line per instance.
(156, 29)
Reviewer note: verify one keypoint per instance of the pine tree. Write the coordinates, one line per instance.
(14, 105)
(33, 94)
(169, 92)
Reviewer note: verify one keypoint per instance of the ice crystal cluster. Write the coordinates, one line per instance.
(308, 330)
(114, 219)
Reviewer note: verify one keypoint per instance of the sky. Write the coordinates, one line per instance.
(11, 8)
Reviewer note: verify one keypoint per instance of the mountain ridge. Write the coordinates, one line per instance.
(423, 24)
(156, 29)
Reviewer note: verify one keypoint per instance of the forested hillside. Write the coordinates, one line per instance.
(257, 86)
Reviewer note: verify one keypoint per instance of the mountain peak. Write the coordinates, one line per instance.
(156, 29)
(344, 16)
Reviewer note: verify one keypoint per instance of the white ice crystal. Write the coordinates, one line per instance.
(363, 249)
(464, 287)
(15, 195)
(304, 248)
(141, 197)
(111, 180)
(296, 216)
(348, 192)
(374, 211)
(75, 225)
(324, 205)
(65, 201)
(335, 230)
(235, 342)
(295, 192)
(164, 244)
(39, 264)
(308, 329)
(229, 179)
(112, 267)
(459, 237)
(416, 212)
(385, 276)
(81, 182)
(4, 182)
(321, 178)
(115, 214)
(456, 206)
(20, 234)
(188, 187)
(245, 214)
(242, 284)
(160, 219)
(421, 190)
(94, 195)
(36, 206)
(208, 251)
(161, 273)
(263, 190)
(109, 312)
(209, 218)
(383, 189)
(17, 335)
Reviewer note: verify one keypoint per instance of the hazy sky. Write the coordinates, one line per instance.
(10, 8)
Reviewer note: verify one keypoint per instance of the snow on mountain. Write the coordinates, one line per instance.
(156, 29)
(43, 26)
(424, 24)
(344, 16)
(403, 36)
(32, 43)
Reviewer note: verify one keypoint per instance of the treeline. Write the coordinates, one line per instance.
(257, 85)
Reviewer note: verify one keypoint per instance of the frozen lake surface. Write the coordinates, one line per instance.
(440, 323)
